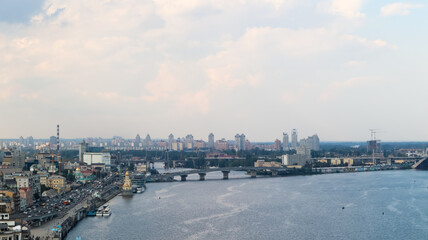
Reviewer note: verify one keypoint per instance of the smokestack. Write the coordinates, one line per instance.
(57, 138)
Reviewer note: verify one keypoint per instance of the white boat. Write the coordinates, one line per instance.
(103, 211)
(140, 189)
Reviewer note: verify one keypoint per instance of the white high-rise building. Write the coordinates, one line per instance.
(294, 139)
(239, 142)
(170, 140)
(312, 142)
(189, 141)
(211, 143)
(83, 147)
(148, 143)
(285, 143)
(137, 140)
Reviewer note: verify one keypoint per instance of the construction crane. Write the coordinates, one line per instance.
(373, 133)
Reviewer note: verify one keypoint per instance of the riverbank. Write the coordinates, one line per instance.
(59, 227)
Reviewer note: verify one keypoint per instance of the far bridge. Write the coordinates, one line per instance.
(203, 172)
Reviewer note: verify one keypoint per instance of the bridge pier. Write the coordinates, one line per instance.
(225, 174)
(183, 177)
(202, 176)
(274, 173)
(253, 173)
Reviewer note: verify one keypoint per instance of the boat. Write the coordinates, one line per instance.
(92, 213)
(140, 189)
(138, 182)
(103, 211)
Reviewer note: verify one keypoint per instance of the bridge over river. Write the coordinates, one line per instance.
(203, 172)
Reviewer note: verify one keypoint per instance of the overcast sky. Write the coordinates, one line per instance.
(260, 67)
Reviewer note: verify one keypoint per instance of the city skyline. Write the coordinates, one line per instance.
(106, 68)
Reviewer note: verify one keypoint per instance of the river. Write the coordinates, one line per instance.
(367, 205)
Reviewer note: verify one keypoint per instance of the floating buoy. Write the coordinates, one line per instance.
(343, 207)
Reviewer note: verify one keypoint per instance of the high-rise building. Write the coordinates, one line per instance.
(315, 143)
(277, 145)
(52, 140)
(148, 143)
(285, 144)
(83, 147)
(374, 146)
(237, 142)
(30, 142)
(312, 142)
(294, 139)
(240, 142)
(242, 139)
(211, 141)
(137, 140)
(189, 141)
(170, 141)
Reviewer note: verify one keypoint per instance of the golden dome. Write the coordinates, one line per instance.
(127, 173)
(77, 169)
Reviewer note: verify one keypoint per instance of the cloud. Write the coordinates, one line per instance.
(199, 101)
(350, 9)
(398, 9)
(335, 89)
(355, 63)
(368, 43)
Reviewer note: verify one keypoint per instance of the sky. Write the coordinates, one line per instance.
(335, 68)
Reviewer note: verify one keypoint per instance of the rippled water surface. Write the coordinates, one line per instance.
(370, 205)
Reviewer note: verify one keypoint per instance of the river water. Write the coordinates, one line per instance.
(368, 205)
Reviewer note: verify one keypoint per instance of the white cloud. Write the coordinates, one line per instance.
(398, 8)
(350, 9)
(355, 63)
(335, 89)
(368, 43)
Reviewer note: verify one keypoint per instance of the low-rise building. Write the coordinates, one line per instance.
(14, 199)
(349, 161)
(141, 167)
(296, 159)
(27, 180)
(322, 160)
(57, 182)
(177, 146)
(97, 158)
(49, 193)
(262, 163)
(43, 178)
(27, 194)
(335, 161)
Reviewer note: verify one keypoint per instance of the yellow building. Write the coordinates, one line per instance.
(10, 201)
(43, 179)
(335, 161)
(322, 160)
(262, 163)
(294, 166)
(57, 182)
(348, 161)
(141, 167)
